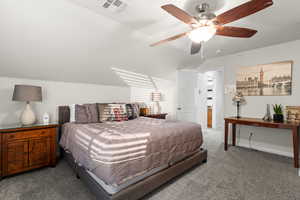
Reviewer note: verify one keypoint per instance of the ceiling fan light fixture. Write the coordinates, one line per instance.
(202, 34)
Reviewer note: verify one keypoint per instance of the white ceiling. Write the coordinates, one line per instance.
(276, 24)
(78, 41)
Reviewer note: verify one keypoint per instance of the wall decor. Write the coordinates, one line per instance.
(274, 79)
(268, 116)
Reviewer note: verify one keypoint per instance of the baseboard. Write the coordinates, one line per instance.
(260, 146)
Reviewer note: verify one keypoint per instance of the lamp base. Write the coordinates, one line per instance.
(28, 116)
(156, 108)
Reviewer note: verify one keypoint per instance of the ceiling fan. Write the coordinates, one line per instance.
(207, 24)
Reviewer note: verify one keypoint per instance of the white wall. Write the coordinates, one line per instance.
(219, 101)
(54, 94)
(272, 140)
(168, 90)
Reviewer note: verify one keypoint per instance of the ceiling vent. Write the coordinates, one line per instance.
(113, 5)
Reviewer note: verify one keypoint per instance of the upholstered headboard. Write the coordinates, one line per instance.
(63, 114)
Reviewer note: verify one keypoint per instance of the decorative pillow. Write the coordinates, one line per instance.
(136, 109)
(104, 112)
(118, 112)
(86, 113)
(112, 112)
(131, 111)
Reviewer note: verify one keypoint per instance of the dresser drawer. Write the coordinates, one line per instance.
(28, 134)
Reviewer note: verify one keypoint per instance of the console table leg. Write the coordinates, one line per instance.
(233, 134)
(226, 136)
(296, 146)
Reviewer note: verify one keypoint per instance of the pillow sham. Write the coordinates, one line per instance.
(81, 115)
(87, 113)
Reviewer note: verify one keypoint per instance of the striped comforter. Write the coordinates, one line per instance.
(119, 151)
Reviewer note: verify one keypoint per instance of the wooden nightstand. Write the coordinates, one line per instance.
(157, 116)
(23, 148)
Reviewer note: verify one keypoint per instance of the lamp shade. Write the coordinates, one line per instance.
(239, 97)
(156, 96)
(27, 93)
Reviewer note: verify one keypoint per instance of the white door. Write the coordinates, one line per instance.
(201, 101)
(186, 95)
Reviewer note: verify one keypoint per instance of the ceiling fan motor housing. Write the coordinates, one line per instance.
(204, 7)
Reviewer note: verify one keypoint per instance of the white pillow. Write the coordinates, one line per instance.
(72, 112)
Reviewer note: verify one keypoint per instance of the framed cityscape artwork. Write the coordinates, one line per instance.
(273, 79)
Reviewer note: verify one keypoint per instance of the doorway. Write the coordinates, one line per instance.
(212, 108)
(200, 97)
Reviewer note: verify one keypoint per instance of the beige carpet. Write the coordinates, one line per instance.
(239, 174)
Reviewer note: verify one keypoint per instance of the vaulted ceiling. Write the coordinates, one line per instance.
(80, 41)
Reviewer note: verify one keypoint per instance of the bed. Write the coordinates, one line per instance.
(127, 160)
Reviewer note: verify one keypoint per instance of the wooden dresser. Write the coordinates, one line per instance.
(23, 148)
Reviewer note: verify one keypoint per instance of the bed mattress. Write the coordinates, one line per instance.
(119, 153)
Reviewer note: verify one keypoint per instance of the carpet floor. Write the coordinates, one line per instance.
(238, 174)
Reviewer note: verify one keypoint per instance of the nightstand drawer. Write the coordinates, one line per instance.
(28, 134)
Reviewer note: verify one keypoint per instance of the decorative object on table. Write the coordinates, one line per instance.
(293, 114)
(156, 98)
(278, 113)
(238, 99)
(268, 116)
(144, 111)
(273, 79)
(27, 93)
(46, 118)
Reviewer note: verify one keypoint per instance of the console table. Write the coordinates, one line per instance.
(261, 123)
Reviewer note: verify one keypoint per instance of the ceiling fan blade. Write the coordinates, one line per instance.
(179, 14)
(169, 39)
(196, 47)
(231, 31)
(243, 10)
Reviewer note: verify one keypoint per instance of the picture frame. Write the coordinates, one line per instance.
(273, 79)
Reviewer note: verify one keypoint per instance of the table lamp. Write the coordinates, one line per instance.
(27, 93)
(156, 97)
(238, 99)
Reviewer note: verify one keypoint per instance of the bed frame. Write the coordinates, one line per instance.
(139, 189)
